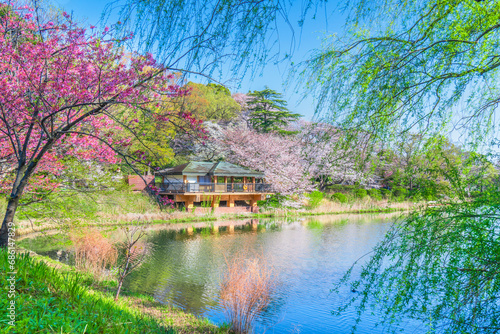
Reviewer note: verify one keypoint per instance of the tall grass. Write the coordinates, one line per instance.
(366, 204)
(245, 291)
(94, 253)
(49, 301)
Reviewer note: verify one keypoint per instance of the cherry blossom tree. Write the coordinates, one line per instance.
(206, 148)
(325, 157)
(61, 88)
(313, 157)
(277, 156)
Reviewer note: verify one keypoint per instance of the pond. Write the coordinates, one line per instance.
(308, 254)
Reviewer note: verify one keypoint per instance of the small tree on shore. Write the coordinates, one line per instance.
(132, 253)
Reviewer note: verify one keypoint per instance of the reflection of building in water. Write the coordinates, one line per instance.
(186, 266)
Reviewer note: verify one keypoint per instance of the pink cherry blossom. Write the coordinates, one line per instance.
(60, 93)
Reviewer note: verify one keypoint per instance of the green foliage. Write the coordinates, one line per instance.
(269, 112)
(381, 70)
(274, 201)
(360, 193)
(375, 194)
(49, 301)
(79, 205)
(429, 193)
(315, 199)
(399, 192)
(427, 66)
(210, 102)
(386, 193)
(475, 194)
(339, 197)
(437, 263)
(345, 189)
(151, 134)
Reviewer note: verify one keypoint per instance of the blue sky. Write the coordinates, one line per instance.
(327, 21)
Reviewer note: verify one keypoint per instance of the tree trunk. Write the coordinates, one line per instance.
(122, 276)
(8, 220)
(15, 195)
(120, 283)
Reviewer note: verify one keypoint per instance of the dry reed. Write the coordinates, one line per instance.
(362, 205)
(94, 253)
(245, 291)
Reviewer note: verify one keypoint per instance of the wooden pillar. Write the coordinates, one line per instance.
(189, 203)
(214, 204)
(253, 201)
(185, 179)
(198, 179)
(230, 228)
(215, 229)
(190, 230)
(253, 185)
(230, 202)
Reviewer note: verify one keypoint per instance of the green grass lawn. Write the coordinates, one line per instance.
(53, 300)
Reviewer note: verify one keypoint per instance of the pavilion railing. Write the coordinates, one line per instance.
(214, 187)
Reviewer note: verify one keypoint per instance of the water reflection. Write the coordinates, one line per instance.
(309, 254)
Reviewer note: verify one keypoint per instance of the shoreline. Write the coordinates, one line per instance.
(140, 307)
(25, 229)
(166, 316)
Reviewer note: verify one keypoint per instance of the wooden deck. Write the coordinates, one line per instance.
(219, 188)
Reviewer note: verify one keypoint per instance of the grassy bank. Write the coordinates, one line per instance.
(56, 299)
(124, 207)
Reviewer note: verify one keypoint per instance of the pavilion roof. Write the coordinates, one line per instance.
(202, 168)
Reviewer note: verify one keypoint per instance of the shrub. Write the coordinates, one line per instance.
(93, 253)
(245, 291)
(475, 194)
(274, 201)
(315, 199)
(399, 192)
(340, 188)
(386, 193)
(339, 197)
(375, 194)
(360, 193)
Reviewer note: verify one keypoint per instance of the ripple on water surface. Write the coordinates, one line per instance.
(309, 255)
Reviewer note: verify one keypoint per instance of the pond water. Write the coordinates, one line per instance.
(308, 254)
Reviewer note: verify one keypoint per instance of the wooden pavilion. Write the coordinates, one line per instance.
(214, 184)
